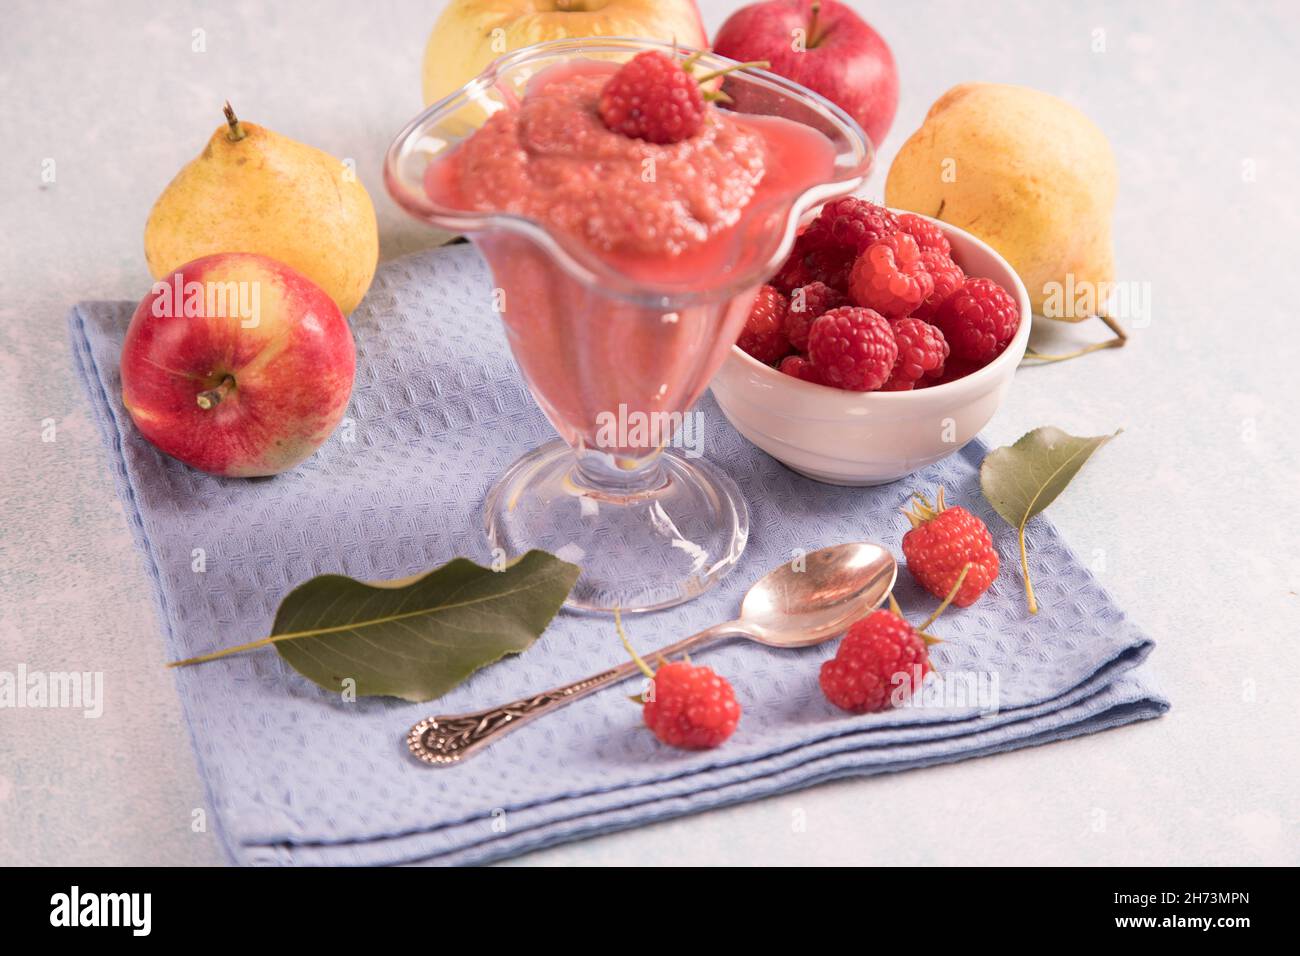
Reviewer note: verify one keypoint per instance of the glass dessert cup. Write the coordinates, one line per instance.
(615, 351)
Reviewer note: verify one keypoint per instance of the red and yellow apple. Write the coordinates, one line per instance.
(825, 46)
(470, 34)
(237, 365)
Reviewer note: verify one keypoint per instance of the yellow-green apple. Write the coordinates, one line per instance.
(470, 34)
(825, 46)
(237, 365)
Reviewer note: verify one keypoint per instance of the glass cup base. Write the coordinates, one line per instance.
(639, 551)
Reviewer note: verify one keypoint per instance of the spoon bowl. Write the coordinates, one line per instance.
(818, 595)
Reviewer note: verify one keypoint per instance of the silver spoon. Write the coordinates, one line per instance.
(801, 603)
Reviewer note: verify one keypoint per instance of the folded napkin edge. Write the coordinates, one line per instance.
(112, 449)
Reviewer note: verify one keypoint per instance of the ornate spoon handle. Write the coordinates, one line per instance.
(445, 740)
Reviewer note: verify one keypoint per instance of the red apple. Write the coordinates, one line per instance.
(825, 46)
(237, 365)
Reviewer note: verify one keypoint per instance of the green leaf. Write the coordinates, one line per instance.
(419, 637)
(1021, 480)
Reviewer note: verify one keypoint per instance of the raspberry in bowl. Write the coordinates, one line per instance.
(913, 355)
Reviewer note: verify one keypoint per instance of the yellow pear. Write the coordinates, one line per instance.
(470, 34)
(1026, 172)
(253, 190)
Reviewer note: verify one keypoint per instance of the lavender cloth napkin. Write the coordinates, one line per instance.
(297, 776)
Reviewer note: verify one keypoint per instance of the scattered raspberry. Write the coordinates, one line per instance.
(978, 320)
(880, 652)
(927, 233)
(686, 705)
(652, 98)
(948, 278)
(799, 367)
(806, 303)
(944, 540)
(890, 278)
(921, 354)
(764, 334)
(692, 707)
(850, 223)
(852, 348)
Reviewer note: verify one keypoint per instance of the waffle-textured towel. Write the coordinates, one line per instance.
(296, 775)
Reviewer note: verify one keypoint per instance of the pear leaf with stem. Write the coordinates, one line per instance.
(1021, 480)
(416, 638)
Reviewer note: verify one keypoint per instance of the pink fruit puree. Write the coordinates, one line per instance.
(676, 219)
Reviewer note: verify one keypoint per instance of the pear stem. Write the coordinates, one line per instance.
(1119, 341)
(236, 131)
(211, 398)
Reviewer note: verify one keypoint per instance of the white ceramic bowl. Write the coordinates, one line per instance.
(870, 438)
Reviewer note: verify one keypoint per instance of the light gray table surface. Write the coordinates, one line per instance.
(1189, 517)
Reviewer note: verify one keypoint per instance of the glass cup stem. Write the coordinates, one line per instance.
(616, 477)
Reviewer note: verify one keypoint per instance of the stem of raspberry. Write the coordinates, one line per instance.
(717, 96)
(714, 74)
(961, 579)
(622, 636)
(898, 612)
(637, 659)
(930, 639)
(924, 511)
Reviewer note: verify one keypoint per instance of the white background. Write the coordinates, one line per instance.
(1189, 517)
